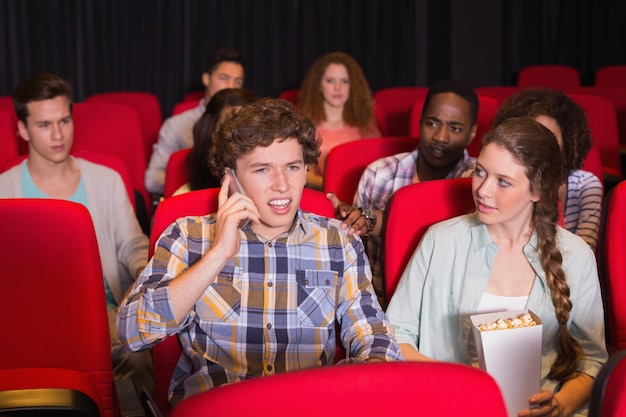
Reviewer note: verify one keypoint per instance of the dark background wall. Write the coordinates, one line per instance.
(161, 45)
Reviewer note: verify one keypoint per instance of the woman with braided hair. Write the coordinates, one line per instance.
(509, 254)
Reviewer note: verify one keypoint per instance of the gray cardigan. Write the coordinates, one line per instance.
(123, 246)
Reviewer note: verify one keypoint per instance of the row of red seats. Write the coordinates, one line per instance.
(397, 111)
(84, 276)
(565, 76)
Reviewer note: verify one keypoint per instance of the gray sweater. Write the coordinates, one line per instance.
(123, 246)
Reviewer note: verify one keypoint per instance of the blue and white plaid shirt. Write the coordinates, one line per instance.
(273, 308)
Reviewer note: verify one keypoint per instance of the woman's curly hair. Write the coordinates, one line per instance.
(571, 118)
(359, 109)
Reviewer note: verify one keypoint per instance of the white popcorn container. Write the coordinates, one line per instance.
(511, 356)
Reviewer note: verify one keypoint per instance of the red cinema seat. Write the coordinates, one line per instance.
(615, 266)
(6, 104)
(363, 389)
(147, 106)
(8, 138)
(611, 75)
(52, 275)
(345, 163)
(290, 95)
(404, 225)
(176, 173)
(602, 121)
(555, 76)
(608, 395)
(114, 129)
(393, 108)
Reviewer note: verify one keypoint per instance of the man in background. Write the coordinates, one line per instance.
(225, 69)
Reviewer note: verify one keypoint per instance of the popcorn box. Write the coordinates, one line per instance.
(512, 356)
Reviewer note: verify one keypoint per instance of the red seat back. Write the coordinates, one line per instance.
(405, 225)
(345, 163)
(51, 271)
(8, 138)
(611, 75)
(113, 129)
(615, 266)
(290, 95)
(147, 107)
(555, 76)
(393, 108)
(6, 104)
(602, 121)
(616, 94)
(364, 389)
(487, 109)
(608, 395)
(176, 173)
(593, 163)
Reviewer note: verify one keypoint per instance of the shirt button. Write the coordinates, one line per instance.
(306, 282)
(270, 284)
(269, 244)
(269, 325)
(327, 282)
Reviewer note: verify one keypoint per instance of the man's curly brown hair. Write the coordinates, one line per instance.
(259, 124)
(571, 118)
(359, 109)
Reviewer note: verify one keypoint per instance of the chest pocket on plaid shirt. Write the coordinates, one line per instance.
(316, 297)
(221, 302)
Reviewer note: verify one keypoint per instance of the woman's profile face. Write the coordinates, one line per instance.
(501, 188)
(335, 85)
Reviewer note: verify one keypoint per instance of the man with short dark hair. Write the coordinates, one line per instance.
(447, 126)
(225, 69)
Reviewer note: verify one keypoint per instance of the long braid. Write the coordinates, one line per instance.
(569, 351)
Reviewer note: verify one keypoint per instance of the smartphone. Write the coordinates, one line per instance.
(235, 187)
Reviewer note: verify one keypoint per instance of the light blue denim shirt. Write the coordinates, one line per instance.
(448, 274)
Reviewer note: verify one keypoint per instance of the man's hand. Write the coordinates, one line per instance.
(353, 221)
(232, 211)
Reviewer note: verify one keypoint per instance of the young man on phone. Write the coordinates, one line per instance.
(263, 298)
